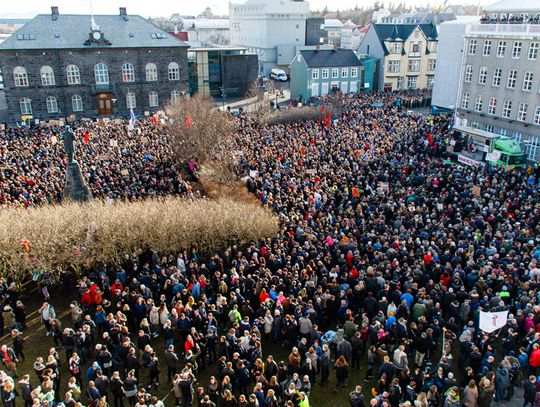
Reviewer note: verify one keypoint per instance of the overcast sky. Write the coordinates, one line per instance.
(146, 8)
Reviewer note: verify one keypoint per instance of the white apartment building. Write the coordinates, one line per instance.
(272, 29)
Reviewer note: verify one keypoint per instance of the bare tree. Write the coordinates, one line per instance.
(198, 131)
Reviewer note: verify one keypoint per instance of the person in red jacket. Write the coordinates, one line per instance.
(534, 360)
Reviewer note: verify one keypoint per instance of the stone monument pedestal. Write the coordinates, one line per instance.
(75, 188)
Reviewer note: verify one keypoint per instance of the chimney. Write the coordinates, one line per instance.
(123, 11)
(54, 13)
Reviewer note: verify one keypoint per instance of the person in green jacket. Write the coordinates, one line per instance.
(234, 314)
(304, 402)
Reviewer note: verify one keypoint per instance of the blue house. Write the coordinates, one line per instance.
(320, 72)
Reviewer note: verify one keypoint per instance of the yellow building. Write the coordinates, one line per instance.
(408, 54)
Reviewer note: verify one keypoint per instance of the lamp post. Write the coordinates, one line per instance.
(222, 99)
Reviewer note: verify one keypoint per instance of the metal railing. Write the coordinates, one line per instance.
(525, 30)
(103, 87)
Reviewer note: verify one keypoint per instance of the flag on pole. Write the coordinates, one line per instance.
(322, 108)
(86, 138)
(430, 139)
(132, 118)
(188, 122)
(491, 321)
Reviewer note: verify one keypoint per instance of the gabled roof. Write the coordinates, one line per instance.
(397, 32)
(70, 31)
(330, 58)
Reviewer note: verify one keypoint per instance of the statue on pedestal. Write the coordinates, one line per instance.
(68, 137)
(75, 188)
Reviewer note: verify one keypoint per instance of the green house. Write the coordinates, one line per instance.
(320, 72)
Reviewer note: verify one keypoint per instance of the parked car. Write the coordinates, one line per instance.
(278, 75)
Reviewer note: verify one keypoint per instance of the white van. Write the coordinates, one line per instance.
(278, 75)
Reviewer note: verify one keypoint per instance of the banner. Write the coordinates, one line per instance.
(491, 321)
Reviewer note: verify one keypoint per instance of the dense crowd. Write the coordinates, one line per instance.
(382, 263)
(116, 163)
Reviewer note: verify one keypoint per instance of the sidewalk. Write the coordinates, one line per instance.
(237, 103)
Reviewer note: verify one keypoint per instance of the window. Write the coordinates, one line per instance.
(468, 73)
(335, 73)
(492, 108)
(478, 102)
(536, 119)
(415, 49)
(487, 48)
(516, 49)
(533, 51)
(399, 83)
(511, 81)
(432, 63)
(26, 106)
(497, 73)
(501, 49)
(465, 101)
(128, 73)
(153, 99)
(324, 73)
(73, 75)
(151, 72)
(76, 103)
(527, 81)
(131, 101)
(314, 74)
(344, 72)
(532, 147)
(507, 109)
(47, 76)
(52, 104)
(101, 74)
(174, 71)
(396, 47)
(175, 95)
(394, 66)
(433, 47)
(411, 82)
(414, 65)
(20, 76)
(354, 72)
(482, 75)
(522, 112)
(472, 47)
(430, 80)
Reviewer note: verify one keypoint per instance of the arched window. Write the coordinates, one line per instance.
(153, 99)
(174, 72)
(20, 76)
(76, 103)
(131, 101)
(47, 76)
(175, 95)
(151, 72)
(73, 75)
(52, 104)
(128, 73)
(26, 106)
(101, 73)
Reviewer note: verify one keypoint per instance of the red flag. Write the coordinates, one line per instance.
(86, 138)
(322, 108)
(188, 122)
(328, 120)
(430, 139)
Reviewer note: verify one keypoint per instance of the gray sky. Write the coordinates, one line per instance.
(28, 8)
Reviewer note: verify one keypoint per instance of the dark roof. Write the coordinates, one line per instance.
(393, 32)
(330, 58)
(70, 31)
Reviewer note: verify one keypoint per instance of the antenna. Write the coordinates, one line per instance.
(95, 27)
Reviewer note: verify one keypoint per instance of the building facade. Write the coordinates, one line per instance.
(320, 72)
(499, 87)
(270, 28)
(448, 69)
(407, 54)
(58, 66)
(221, 72)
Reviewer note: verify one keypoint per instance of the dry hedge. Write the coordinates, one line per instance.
(54, 238)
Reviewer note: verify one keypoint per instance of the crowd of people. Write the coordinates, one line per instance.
(116, 163)
(370, 292)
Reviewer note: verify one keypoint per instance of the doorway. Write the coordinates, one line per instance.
(104, 104)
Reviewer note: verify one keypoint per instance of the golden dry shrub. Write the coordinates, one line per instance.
(55, 238)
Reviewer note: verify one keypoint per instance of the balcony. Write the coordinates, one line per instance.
(510, 30)
(103, 88)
